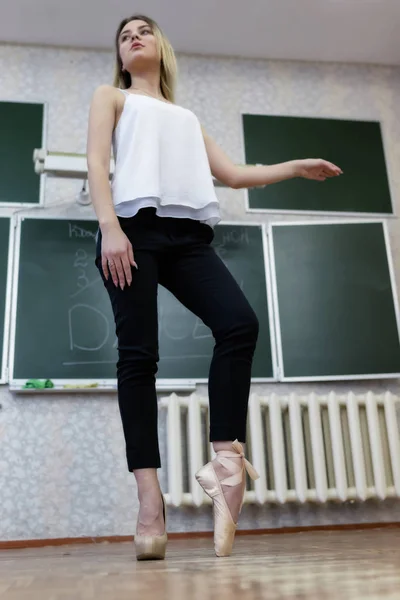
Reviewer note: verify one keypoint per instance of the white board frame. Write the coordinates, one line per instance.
(7, 309)
(281, 367)
(359, 215)
(42, 177)
(110, 385)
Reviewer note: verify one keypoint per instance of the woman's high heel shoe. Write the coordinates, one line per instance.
(224, 525)
(152, 547)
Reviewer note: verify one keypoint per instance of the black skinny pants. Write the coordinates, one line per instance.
(177, 254)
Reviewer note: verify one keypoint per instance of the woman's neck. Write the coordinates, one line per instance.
(149, 83)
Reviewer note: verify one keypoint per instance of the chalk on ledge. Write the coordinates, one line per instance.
(37, 384)
(74, 386)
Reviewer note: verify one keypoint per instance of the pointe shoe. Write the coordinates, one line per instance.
(224, 525)
(152, 547)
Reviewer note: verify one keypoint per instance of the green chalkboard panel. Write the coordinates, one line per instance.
(356, 146)
(334, 295)
(4, 260)
(21, 126)
(64, 326)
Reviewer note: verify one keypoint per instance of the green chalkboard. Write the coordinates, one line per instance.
(334, 295)
(356, 146)
(21, 126)
(64, 326)
(4, 258)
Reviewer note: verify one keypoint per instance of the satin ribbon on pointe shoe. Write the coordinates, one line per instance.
(224, 525)
(236, 478)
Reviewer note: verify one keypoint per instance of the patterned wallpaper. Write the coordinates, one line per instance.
(62, 465)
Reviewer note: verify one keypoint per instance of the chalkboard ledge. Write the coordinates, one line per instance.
(62, 390)
(77, 388)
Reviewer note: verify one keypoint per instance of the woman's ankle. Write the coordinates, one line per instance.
(150, 509)
(147, 483)
(226, 445)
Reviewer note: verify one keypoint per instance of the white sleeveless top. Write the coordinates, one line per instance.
(161, 161)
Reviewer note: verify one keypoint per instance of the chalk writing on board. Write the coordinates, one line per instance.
(232, 238)
(88, 362)
(79, 312)
(75, 231)
(200, 330)
(112, 362)
(85, 287)
(181, 323)
(174, 328)
(80, 264)
(185, 357)
(82, 312)
(81, 258)
(236, 236)
(178, 326)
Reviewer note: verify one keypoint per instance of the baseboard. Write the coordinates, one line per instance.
(41, 543)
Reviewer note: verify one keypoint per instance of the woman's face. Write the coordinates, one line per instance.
(137, 46)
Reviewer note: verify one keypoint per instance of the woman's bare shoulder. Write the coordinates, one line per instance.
(106, 93)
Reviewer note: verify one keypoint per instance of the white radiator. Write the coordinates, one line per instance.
(305, 448)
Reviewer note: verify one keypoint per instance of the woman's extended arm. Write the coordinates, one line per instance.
(236, 176)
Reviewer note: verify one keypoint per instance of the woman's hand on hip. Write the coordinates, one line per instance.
(117, 257)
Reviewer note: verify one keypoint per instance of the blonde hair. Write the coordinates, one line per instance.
(168, 70)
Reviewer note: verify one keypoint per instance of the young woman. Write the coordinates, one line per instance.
(155, 226)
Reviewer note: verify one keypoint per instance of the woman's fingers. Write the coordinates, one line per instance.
(131, 257)
(117, 258)
(127, 268)
(120, 272)
(120, 269)
(112, 267)
(116, 271)
(104, 266)
(332, 169)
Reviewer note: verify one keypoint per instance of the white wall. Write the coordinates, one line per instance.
(62, 464)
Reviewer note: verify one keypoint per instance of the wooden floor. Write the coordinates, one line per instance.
(348, 565)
